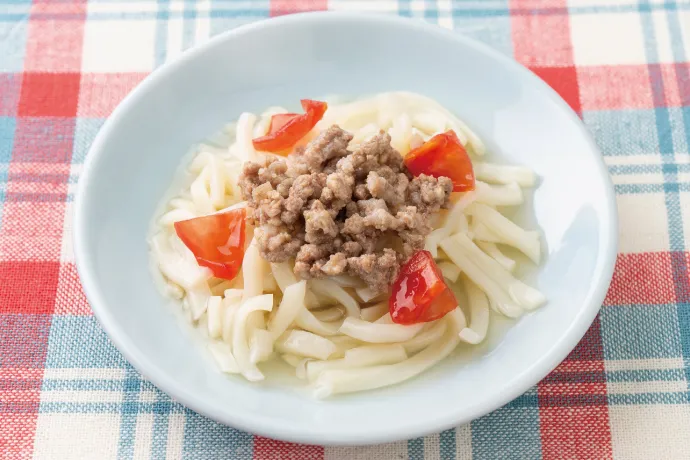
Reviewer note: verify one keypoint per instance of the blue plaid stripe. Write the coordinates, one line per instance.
(511, 432)
(7, 127)
(680, 272)
(161, 39)
(415, 449)
(674, 212)
(13, 43)
(70, 333)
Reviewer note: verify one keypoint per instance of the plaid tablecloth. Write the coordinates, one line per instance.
(66, 392)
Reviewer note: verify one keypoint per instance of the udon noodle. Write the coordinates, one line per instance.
(337, 333)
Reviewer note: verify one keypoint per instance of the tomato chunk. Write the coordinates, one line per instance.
(443, 155)
(419, 293)
(286, 129)
(217, 241)
(279, 120)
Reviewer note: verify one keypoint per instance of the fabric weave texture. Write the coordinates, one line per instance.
(67, 393)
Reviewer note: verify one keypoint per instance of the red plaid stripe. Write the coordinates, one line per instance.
(564, 80)
(282, 7)
(25, 343)
(573, 410)
(676, 90)
(54, 45)
(32, 231)
(645, 278)
(10, 85)
(100, 93)
(269, 449)
(49, 95)
(69, 295)
(29, 287)
(541, 40)
(43, 139)
(615, 87)
(33, 218)
(44, 100)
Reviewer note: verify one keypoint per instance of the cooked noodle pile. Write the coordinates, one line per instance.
(335, 332)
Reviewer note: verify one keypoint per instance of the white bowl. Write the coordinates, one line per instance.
(277, 62)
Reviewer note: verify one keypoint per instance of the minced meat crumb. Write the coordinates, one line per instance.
(340, 211)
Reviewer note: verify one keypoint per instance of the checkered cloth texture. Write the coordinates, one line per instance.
(67, 393)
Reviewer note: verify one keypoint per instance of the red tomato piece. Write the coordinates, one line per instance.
(419, 293)
(287, 129)
(443, 155)
(279, 120)
(217, 241)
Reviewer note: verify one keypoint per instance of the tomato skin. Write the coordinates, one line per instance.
(419, 293)
(279, 120)
(443, 155)
(286, 129)
(216, 240)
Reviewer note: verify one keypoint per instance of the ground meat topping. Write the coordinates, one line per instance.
(340, 211)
